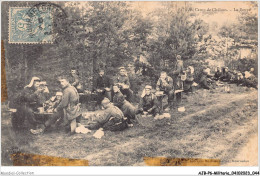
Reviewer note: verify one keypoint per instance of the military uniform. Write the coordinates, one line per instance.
(226, 76)
(149, 103)
(251, 81)
(111, 119)
(125, 91)
(178, 83)
(125, 106)
(206, 82)
(178, 70)
(118, 99)
(27, 103)
(76, 83)
(102, 83)
(68, 108)
(217, 75)
(52, 104)
(188, 82)
(238, 79)
(167, 87)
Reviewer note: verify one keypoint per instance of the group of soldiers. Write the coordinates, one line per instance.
(114, 97)
(247, 78)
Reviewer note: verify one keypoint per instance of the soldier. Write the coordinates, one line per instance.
(149, 102)
(111, 118)
(68, 109)
(75, 80)
(226, 75)
(165, 84)
(177, 73)
(53, 102)
(138, 64)
(250, 80)
(189, 79)
(125, 106)
(205, 80)
(27, 102)
(238, 78)
(102, 86)
(122, 81)
(218, 74)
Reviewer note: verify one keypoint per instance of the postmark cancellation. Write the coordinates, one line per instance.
(28, 26)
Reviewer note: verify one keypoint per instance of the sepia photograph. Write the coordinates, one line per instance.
(129, 83)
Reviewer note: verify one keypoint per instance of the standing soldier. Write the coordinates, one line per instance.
(177, 72)
(75, 80)
(122, 81)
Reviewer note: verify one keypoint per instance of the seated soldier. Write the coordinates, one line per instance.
(125, 106)
(148, 102)
(205, 80)
(226, 75)
(68, 109)
(138, 64)
(44, 95)
(217, 74)
(189, 79)
(53, 102)
(165, 84)
(111, 118)
(122, 81)
(239, 78)
(27, 102)
(233, 77)
(102, 86)
(250, 80)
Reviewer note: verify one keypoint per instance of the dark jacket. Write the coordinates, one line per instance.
(148, 102)
(189, 78)
(102, 82)
(178, 68)
(75, 80)
(204, 81)
(123, 80)
(217, 75)
(189, 81)
(226, 76)
(165, 85)
(70, 103)
(111, 119)
(30, 98)
(118, 99)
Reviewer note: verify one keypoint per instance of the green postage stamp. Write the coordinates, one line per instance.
(30, 25)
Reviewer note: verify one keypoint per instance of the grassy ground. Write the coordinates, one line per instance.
(215, 125)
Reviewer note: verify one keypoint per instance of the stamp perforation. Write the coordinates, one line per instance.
(9, 29)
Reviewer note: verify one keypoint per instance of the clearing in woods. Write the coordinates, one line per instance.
(215, 125)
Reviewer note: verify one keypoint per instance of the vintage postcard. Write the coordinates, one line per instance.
(129, 83)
